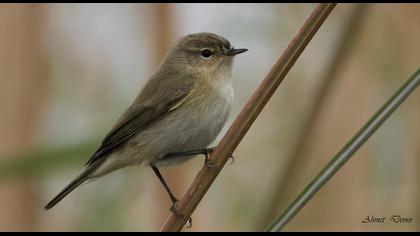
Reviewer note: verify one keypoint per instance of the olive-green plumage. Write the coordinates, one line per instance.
(182, 107)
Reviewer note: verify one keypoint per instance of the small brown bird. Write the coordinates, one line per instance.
(178, 113)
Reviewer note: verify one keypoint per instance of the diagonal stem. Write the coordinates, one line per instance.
(246, 117)
(296, 156)
(347, 151)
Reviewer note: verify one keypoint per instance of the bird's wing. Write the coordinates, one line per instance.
(140, 115)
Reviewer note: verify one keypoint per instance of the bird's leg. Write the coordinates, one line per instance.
(204, 151)
(165, 185)
(171, 195)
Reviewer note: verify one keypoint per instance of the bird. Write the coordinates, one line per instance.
(177, 114)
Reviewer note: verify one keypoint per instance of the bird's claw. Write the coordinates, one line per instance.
(189, 223)
(232, 159)
(173, 210)
(207, 162)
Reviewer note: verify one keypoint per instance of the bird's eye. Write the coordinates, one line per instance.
(206, 53)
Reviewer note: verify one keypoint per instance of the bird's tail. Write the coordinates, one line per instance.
(74, 184)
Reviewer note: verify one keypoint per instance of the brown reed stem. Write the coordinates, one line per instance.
(246, 117)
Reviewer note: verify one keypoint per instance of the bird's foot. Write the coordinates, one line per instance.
(207, 162)
(232, 159)
(174, 211)
(173, 208)
(189, 223)
(205, 151)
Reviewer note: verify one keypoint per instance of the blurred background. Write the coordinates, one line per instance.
(67, 72)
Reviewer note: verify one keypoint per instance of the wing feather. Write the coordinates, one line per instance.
(138, 117)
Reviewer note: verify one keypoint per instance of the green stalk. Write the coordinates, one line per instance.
(346, 152)
(296, 159)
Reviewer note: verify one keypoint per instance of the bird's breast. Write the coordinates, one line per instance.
(225, 90)
(210, 104)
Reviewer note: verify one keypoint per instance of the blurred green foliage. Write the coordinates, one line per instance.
(41, 162)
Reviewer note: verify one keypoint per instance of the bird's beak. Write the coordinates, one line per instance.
(233, 51)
